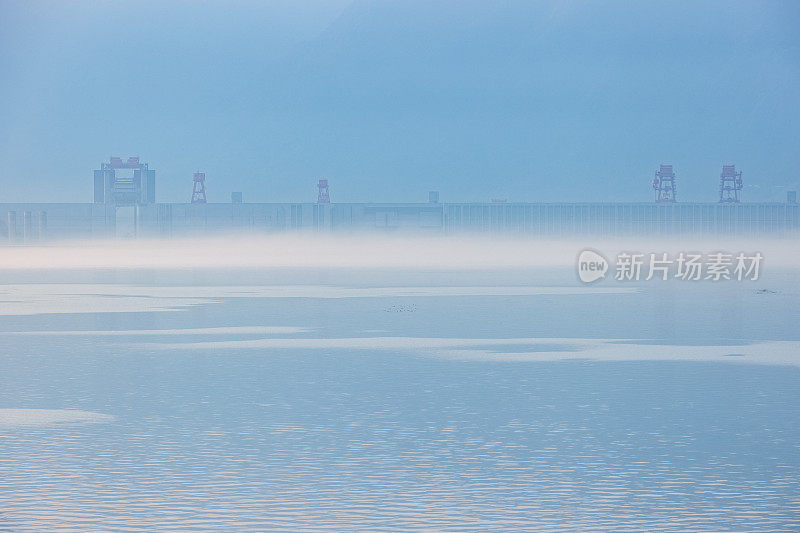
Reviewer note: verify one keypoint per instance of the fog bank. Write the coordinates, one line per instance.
(366, 251)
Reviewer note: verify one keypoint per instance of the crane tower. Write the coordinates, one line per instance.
(664, 185)
(199, 188)
(323, 197)
(730, 183)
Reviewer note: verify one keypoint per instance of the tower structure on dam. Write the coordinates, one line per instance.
(323, 193)
(664, 185)
(199, 188)
(730, 184)
(124, 183)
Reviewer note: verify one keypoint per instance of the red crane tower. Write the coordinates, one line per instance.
(323, 197)
(199, 188)
(730, 183)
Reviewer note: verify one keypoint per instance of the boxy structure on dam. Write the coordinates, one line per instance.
(125, 206)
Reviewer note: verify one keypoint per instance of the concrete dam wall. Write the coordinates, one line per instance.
(32, 222)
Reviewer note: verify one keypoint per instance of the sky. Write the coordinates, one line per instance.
(529, 101)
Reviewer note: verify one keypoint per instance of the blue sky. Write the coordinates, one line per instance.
(531, 101)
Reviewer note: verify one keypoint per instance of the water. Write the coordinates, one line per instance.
(396, 401)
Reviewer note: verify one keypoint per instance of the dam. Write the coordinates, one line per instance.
(31, 222)
(125, 206)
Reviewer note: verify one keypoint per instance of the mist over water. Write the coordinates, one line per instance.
(368, 250)
(393, 383)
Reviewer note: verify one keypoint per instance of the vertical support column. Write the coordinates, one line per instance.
(43, 225)
(322, 217)
(27, 226)
(150, 180)
(109, 178)
(99, 187)
(12, 226)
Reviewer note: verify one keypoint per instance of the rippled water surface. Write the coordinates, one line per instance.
(394, 401)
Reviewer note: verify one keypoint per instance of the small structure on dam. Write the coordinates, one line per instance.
(199, 188)
(730, 184)
(664, 185)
